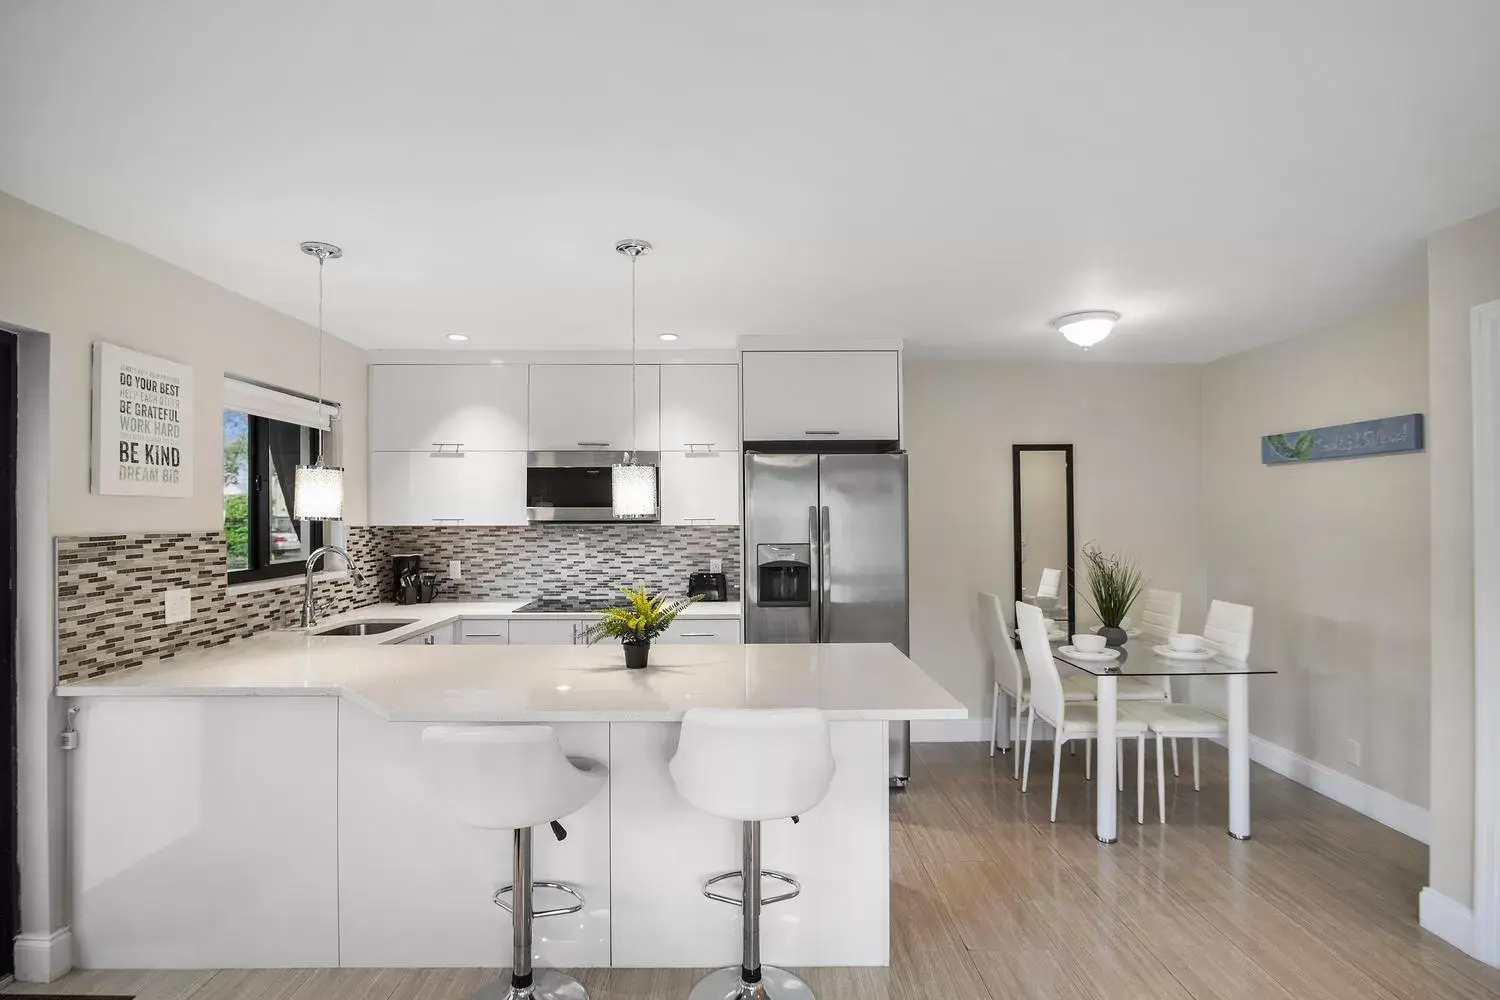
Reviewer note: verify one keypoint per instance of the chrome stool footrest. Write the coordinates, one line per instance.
(767, 901)
(555, 912)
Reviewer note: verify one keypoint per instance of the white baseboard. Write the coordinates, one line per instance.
(41, 958)
(1453, 922)
(1381, 806)
(950, 730)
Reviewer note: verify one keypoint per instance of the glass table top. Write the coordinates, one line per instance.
(1138, 660)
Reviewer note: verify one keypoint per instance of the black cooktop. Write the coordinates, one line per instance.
(564, 605)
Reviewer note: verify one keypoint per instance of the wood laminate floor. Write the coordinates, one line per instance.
(990, 900)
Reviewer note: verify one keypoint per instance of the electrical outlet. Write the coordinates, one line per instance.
(1351, 752)
(716, 565)
(455, 569)
(179, 605)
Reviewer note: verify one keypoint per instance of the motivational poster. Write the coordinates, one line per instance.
(143, 424)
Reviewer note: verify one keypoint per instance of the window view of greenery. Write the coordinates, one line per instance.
(289, 446)
(237, 489)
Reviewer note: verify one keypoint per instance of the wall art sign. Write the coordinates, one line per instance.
(1385, 436)
(143, 424)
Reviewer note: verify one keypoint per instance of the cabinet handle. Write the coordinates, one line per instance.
(692, 520)
(448, 449)
(429, 640)
(447, 520)
(692, 446)
(695, 635)
(821, 433)
(593, 444)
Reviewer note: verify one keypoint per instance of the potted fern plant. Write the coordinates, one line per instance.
(1115, 582)
(636, 622)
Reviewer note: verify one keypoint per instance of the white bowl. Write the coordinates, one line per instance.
(1087, 643)
(1182, 642)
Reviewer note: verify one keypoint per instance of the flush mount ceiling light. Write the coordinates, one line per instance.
(458, 336)
(669, 336)
(1086, 328)
(633, 486)
(319, 489)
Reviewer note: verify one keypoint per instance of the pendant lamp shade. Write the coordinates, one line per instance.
(632, 485)
(318, 490)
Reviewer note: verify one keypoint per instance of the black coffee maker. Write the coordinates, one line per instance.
(406, 574)
(709, 586)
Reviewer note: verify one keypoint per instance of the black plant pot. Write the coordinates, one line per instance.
(1112, 636)
(636, 654)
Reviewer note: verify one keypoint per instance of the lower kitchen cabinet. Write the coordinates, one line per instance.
(546, 631)
(441, 636)
(484, 631)
(700, 487)
(476, 487)
(702, 631)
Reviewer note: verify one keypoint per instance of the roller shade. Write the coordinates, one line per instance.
(262, 401)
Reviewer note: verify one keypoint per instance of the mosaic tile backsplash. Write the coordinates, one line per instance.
(111, 588)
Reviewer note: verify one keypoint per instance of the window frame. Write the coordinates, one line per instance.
(257, 430)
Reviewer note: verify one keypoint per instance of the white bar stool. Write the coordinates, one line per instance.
(753, 765)
(515, 778)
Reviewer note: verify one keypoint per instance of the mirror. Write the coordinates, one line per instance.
(1042, 485)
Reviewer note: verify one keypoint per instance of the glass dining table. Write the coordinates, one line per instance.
(1138, 659)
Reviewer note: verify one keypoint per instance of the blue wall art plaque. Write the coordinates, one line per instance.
(1384, 436)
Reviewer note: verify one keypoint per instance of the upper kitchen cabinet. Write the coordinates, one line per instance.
(473, 407)
(448, 488)
(700, 408)
(822, 395)
(588, 407)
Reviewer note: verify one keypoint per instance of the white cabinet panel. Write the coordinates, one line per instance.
(822, 395)
(700, 487)
(477, 407)
(702, 631)
(476, 487)
(484, 631)
(544, 631)
(203, 833)
(700, 407)
(589, 406)
(442, 636)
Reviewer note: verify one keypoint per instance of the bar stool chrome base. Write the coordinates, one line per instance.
(775, 984)
(546, 984)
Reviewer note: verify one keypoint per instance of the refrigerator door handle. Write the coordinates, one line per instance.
(826, 575)
(815, 585)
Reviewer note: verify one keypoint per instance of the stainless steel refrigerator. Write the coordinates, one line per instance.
(825, 546)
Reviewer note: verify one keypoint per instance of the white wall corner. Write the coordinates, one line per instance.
(950, 730)
(1381, 806)
(41, 958)
(1453, 922)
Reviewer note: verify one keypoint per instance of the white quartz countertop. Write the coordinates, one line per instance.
(564, 683)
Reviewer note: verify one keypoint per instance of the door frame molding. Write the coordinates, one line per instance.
(1484, 342)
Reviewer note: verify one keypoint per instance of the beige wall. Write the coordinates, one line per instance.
(78, 287)
(1332, 555)
(1463, 271)
(1134, 429)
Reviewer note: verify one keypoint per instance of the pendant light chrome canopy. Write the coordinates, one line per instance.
(318, 493)
(633, 486)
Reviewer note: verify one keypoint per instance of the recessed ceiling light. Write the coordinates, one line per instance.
(458, 336)
(1086, 328)
(669, 336)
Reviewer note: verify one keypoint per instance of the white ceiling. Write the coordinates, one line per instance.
(954, 174)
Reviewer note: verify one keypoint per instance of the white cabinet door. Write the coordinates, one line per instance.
(441, 636)
(475, 487)
(476, 407)
(484, 631)
(700, 407)
(822, 395)
(589, 407)
(702, 631)
(700, 487)
(544, 631)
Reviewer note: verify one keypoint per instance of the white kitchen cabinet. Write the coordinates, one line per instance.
(484, 631)
(474, 487)
(443, 635)
(700, 407)
(588, 407)
(472, 407)
(822, 395)
(700, 487)
(702, 631)
(545, 631)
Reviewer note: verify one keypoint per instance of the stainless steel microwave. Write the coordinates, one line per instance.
(577, 486)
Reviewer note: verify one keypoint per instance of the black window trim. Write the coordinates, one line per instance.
(261, 567)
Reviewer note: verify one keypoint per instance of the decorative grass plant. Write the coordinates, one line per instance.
(1115, 583)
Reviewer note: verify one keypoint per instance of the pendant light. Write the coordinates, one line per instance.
(633, 486)
(318, 492)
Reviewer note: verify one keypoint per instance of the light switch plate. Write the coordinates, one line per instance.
(179, 605)
(455, 569)
(1352, 753)
(716, 565)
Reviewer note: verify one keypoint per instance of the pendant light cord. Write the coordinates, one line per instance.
(322, 259)
(634, 434)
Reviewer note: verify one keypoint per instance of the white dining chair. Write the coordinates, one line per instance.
(1050, 584)
(1161, 616)
(1227, 630)
(1069, 720)
(1010, 678)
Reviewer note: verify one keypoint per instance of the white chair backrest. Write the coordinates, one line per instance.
(1050, 584)
(753, 764)
(1046, 685)
(1228, 629)
(506, 777)
(1002, 650)
(1161, 613)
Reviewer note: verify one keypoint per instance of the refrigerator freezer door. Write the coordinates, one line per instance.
(781, 527)
(863, 548)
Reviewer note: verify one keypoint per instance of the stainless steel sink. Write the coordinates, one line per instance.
(367, 627)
